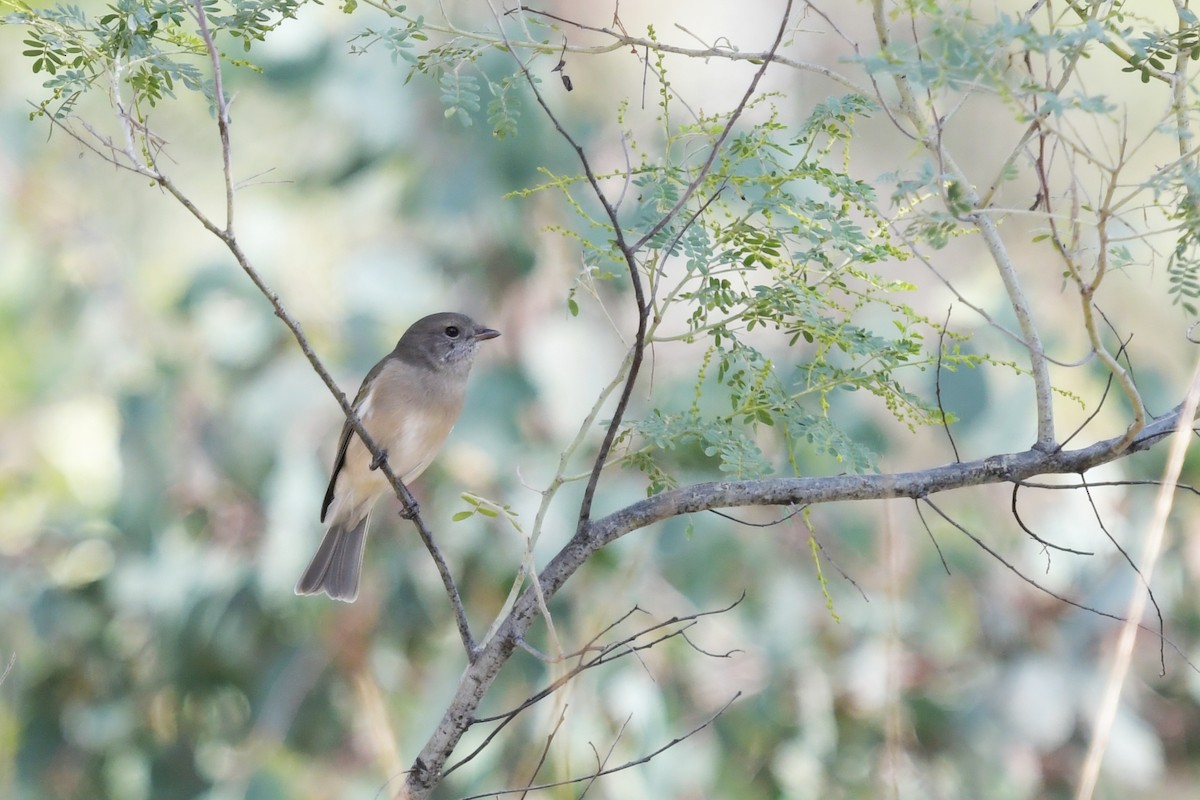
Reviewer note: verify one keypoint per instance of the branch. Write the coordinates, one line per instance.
(931, 139)
(1152, 545)
(12, 660)
(629, 251)
(229, 239)
(938, 383)
(609, 652)
(1005, 468)
(545, 752)
(599, 773)
(622, 41)
(1029, 531)
(629, 254)
(426, 771)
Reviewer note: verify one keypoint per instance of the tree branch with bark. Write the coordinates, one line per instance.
(747, 237)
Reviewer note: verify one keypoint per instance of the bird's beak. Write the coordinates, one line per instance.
(485, 333)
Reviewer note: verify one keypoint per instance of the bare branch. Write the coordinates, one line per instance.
(1029, 531)
(1185, 487)
(749, 524)
(1152, 544)
(12, 660)
(929, 531)
(226, 235)
(609, 771)
(608, 653)
(1005, 468)
(622, 40)
(938, 384)
(601, 762)
(1162, 627)
(1103, 396)
(1011, 568)
(545, 752)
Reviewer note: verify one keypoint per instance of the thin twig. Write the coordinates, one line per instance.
(12, 660)
(628, 764)
(545, 752)
(750, 524)
(1162, 626)
(1029, 531)
(1185, 487)
(1152, 544)
(1103, 397)
(226, 235)
(610, 652)
(1061, 598)
(929, 531)
(622, 40)
(938, 384)
(601, 762)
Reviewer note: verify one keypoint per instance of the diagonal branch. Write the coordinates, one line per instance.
(126, 158)
(229, 239)
(1006, 468)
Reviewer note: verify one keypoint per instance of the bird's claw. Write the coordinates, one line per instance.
(378, 460)
(410, 512)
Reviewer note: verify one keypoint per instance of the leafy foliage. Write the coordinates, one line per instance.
(1178, 189)
(145, 47)
(398, 40)
(1154, 49)
(772, 262)
(784, 271)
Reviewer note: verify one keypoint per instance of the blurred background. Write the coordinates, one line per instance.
(164, 449)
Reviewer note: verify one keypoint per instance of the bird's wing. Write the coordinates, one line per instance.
(347, 429)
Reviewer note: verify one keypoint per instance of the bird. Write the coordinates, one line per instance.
(408, 403)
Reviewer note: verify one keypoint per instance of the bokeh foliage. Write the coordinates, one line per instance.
(160, 488)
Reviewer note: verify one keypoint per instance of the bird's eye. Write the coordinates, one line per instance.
(452, 331)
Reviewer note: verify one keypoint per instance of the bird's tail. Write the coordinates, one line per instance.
(337, 564)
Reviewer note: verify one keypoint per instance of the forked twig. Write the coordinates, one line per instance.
(610, 652)
(610, 770)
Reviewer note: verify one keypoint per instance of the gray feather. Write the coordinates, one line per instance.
(337, 564)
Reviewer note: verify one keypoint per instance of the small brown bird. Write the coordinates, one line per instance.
(408, 403)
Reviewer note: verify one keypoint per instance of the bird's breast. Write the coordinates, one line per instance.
(407, 414)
